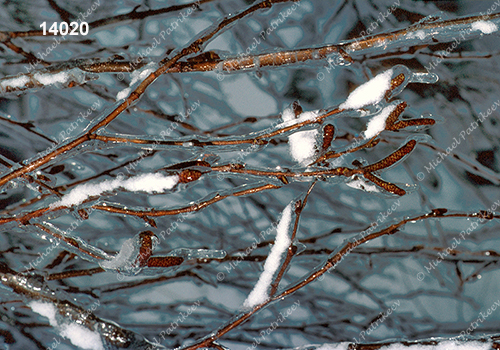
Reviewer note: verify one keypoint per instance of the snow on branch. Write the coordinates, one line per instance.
(43, 78)
(145, 182)
(484, 27)
(377, 123)
(137, 76)
(371, 92)
(301, 143)
(260, 293)
(79, 336)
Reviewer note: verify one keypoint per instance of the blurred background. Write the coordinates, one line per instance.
(391, 270)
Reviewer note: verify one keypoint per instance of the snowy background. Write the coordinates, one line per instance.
(387, 272)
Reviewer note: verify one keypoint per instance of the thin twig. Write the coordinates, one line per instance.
(164, 64)
(292, 248)
(330, 263)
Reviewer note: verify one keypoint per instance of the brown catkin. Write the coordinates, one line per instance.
(297, 108)
(345, 56)
(391, 119)
(390, 187)
(395, 82)
(146, 248)
(372, 143)
(412, 122)
(393, 158)
(188, 175)
(83, 214)
(328, 133)
(283, 179)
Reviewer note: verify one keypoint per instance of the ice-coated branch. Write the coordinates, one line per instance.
(335, 258)
(260, 292)
(80, 326)
(149, 183)
(164, 64)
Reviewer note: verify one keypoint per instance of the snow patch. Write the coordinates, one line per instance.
(82, 337)
(484, 27)
(288, 117)
(123, 94)
(377, 123)
(288, 114)
(46, 310)
(145, 182)
(77, 334)
(361, 184)
(302, 145)
(370, 92)
(18, 82)
(260, 293)
(50, 79)
(309, 115)
(137, 75)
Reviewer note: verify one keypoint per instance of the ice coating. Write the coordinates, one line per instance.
(125, 257)
(189, 254)
(443, 345)
(362, 184)
(76, 333)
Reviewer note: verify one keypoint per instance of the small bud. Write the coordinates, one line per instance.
(189, 175)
